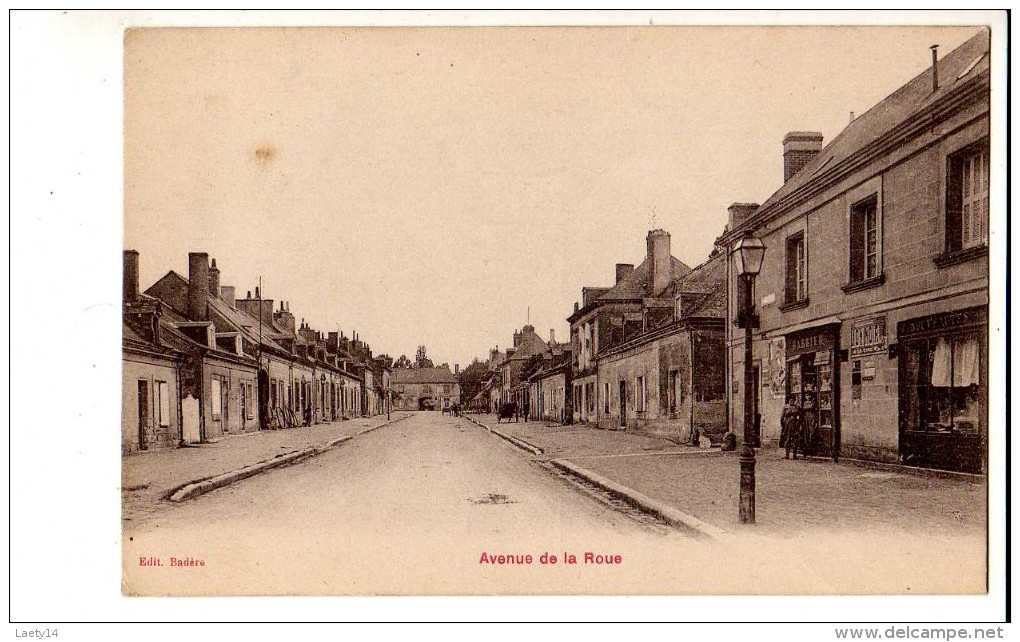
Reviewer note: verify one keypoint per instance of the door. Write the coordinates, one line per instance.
(623, 404)
(143, 415)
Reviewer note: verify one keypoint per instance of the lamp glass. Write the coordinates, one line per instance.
(748, 253)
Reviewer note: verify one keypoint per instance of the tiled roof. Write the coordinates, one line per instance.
(422, 375)
(967, 61)
(632, 286)
(531, 344)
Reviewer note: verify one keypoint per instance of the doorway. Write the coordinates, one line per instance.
(143, 415)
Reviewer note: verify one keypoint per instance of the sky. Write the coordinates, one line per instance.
(444, 186)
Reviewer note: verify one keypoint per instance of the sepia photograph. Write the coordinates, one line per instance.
(698, 306)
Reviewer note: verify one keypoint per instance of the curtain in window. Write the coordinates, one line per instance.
(955, 363)
(966, 369)
(942, 364)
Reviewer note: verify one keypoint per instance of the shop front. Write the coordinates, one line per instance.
(943, 362)
(812, 365)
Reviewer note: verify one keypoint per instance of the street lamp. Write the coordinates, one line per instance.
(748, 254)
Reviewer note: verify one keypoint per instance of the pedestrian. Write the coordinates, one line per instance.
(790, 433)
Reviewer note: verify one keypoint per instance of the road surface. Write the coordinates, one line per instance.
(425, 505)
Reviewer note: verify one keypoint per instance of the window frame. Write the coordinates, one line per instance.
(162, 398)
(216, 397)
(956, 248)
(640, 394)
(797, 296)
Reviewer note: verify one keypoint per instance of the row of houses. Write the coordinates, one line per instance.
(200, 363)
(871, 306)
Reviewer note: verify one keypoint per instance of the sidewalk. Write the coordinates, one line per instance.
(148, 477)
(792, 497)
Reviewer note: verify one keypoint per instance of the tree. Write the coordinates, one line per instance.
(470, 379)
(421, 359)
(402, 362)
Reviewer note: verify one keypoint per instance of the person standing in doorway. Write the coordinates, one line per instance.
(791, 433)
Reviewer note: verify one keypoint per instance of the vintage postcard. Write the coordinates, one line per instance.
(589, 310)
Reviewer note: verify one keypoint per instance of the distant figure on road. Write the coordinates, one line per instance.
(527, 410)
(790, 432)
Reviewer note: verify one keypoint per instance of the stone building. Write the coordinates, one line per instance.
(670, 378)
(873, 295)
(424, 388)
(614, 315)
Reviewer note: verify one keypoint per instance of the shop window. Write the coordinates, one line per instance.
(639, 391)
(865, 241)
(163, 403)
(942, 379)
(216, 398)
(967, 189)
(796, 271)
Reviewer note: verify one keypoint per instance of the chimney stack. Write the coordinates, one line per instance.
(622, 270)
(229, 294)
(198, 286)
(660, 272)
(552, 336)
(798, 150)
(214, 279)
(935, 68)
(740, 212)
(456, 369)
(130, 276)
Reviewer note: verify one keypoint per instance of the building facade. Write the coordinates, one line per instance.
(607, 317)
(872, 299)
(424, 388)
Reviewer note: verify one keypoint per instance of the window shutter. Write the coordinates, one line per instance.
(857, 244)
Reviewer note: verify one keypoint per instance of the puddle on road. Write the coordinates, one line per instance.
(493, 498)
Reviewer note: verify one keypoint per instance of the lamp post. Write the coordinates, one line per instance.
(748, 254)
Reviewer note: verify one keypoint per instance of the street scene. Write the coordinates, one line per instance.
(449, 311)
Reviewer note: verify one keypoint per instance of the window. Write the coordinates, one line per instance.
(865, 261)
(967, 200)
(446, 389)
(796, 269)
(607, 397)
(674, 392)
(972, 183)
(639, 392)
(163, 403)
(216, 397)
(251, 400)
(589, 392)
(942, 379)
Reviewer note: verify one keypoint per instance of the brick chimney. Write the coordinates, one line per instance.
(552, 333)
(740, 212)
(198, 286)
(622, 270)
(214, 279)
(130, 276)
(456, 369)
(284, 318)
(229, 294)
(798, 150)
(660, 271)
(257, 307)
